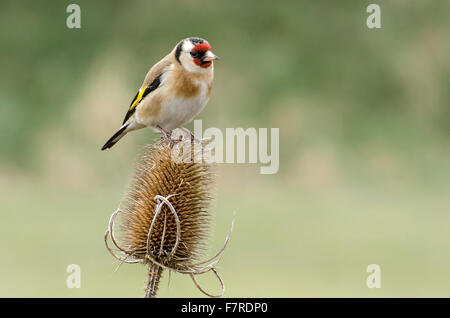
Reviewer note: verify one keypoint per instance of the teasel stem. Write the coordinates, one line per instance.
(153, 278)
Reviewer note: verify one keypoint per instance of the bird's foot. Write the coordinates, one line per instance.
(166, 134)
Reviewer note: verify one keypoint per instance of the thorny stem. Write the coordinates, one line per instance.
(153, 277)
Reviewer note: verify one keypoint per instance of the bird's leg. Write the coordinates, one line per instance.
(166, 134)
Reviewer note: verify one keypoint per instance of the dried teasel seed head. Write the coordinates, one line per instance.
(165, 216)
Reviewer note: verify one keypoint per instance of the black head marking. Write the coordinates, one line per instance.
(178, 51)
(196, 41)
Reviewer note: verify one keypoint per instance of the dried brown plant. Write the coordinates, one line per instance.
(165, 217)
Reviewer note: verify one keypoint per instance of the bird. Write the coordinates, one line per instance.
(175, 90)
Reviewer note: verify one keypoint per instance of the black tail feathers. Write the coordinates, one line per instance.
(115, 138)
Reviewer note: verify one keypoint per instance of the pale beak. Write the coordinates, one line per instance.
(210, 56)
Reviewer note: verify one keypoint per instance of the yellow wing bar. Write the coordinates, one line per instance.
(138, 98)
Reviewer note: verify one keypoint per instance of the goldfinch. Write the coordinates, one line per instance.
(175, 90)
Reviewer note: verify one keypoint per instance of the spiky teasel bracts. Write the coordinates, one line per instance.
(187, 186)
(165, 215)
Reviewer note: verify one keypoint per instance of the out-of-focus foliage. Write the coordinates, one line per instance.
(292, 63)
(364, 118)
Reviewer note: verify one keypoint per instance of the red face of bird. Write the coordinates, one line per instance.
(202, 56)
(195, 54)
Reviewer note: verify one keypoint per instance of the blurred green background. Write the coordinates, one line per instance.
(364, 122)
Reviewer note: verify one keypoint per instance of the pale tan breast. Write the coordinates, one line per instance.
(186, 84)
(181, 97)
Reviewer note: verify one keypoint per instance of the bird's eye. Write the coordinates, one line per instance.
(195, 54)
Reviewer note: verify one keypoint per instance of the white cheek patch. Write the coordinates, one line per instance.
(185, 57)
(187, 63)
